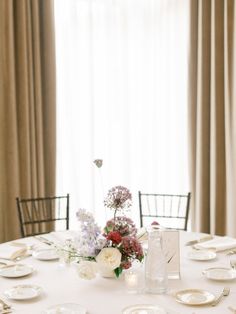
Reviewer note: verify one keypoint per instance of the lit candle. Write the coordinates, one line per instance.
(131, 280)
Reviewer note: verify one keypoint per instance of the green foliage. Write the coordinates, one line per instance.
(118, 271)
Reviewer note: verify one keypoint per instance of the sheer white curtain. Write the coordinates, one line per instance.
(122, 97)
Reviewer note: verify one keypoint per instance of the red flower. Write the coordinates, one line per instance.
(114, 236)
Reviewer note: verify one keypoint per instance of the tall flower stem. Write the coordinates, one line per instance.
(115, 216)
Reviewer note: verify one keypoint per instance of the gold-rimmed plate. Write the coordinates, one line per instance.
(16, 270)
(194, 297)
(144, 309)
(49, 254)
(23, 292)
(66, 308)
(220, 273)
(201, 255)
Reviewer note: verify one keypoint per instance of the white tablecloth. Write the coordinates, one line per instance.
(109, 296)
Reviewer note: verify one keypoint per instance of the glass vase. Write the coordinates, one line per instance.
(156, 280)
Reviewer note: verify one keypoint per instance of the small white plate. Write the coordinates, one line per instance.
(67, 308)
(23, 292)
(194, 297)
(144, 309)
(201, 255)
(45, 254)
(220, 273)
(17, 270)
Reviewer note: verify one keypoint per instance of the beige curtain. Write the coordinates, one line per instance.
(27, 106)
(212, 116)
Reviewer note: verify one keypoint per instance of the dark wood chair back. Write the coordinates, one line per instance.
(170, 211)
(43, 215)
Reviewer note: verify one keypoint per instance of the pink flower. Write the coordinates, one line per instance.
(131, 248)
(126, 264)
(124, 225)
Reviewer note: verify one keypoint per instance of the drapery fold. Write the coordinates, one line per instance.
(122, 97)
(28, 106)
(212, 115)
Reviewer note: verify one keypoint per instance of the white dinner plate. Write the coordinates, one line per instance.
(194, 297)
(45, 254)
(17, 270)
(67, 308)
(201, 255)
(144, 309)
(220, 273)
(23, 292)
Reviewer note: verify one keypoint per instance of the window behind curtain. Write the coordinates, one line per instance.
(121, 97)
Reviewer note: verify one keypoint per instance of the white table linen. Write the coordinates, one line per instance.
(109, 296)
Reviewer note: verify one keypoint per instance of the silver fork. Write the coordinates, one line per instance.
(224, 293)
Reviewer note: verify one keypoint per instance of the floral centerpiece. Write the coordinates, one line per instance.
(109, 250)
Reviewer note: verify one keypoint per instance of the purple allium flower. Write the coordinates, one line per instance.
(119, 197)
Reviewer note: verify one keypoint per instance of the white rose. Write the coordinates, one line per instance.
(87, 269)
(109, 258)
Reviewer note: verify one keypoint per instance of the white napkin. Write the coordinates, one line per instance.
(60, 236)
(219, 244)
(11, 252)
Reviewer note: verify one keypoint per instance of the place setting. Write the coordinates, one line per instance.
(145, 309)
(66, 308)
(45, 254)
(16, 270)
(200, 297)
(220, 273)
(23, 292)
(201, 255)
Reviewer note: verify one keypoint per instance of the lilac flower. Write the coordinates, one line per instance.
(90, 240)
(84, 216)
(119, 197)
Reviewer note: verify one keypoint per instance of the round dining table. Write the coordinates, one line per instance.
(60, 284)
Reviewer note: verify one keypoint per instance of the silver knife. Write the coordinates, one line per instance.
(204, 239)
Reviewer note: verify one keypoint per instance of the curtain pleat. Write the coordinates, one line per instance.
(211, 106)
(28, 105)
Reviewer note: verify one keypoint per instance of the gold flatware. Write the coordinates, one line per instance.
(231, 252)
(224, 293)
(232, 309)
(20, 257)
(204, 239)
(5, 311)
(43, 240)
(233, 264)
(9, 266)
(5, 305)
